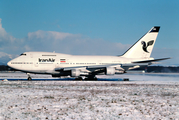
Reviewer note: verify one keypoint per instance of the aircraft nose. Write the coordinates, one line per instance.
(9, 63)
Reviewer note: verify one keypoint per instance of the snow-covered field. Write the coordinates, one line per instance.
(172, 77)
(89, 100)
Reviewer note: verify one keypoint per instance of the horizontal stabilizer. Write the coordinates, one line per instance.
(148, 61)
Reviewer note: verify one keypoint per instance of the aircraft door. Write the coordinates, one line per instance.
(35, 61)
(36, 64)
(31, 55)
(56, 63)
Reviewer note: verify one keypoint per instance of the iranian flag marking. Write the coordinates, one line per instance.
(63, 60)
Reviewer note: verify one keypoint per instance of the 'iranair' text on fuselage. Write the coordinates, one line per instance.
(47, 60)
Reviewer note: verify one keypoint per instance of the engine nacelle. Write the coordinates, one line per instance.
(110, 71)
(75, 73)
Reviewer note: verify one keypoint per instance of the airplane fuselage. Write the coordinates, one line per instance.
(46, 62)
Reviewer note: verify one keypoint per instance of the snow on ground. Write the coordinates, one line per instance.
(88, 100)
(21, 75)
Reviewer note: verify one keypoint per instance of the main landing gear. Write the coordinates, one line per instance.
(91, 78)
(88, 78)
(79, 78)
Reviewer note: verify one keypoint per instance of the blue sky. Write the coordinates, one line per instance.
(88, 22)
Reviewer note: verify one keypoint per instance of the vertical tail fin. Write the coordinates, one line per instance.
(144, 46)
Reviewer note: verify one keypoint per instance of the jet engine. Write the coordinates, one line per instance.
(75, 73)
(110, 71)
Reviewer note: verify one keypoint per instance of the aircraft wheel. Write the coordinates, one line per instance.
(91, 78)
(29, 78)
(79, 78)
(86, 79)
(126, 79)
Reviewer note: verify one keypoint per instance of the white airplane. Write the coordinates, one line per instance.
(57, 64)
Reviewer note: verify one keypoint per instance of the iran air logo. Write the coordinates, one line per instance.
(47, 60)
(145, 46)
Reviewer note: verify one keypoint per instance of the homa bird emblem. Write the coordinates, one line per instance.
(144, 47)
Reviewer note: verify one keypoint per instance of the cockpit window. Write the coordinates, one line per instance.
(23, 54)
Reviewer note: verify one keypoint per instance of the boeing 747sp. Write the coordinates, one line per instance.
(57, 64)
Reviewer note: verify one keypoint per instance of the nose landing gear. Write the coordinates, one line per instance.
(29, 77)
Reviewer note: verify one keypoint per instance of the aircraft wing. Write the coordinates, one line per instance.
(91, 68)
(68, 68)
(109, 68)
